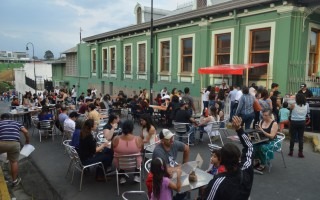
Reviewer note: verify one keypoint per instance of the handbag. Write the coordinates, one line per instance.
(256, 106)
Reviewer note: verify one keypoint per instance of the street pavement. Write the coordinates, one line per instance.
(44, 174)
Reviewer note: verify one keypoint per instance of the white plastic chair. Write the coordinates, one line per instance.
(129, 164)
(277, 147)
(147, 165)
(46, 126)
(77, 164)
(181, 131)
(35, 122)
(141, 195)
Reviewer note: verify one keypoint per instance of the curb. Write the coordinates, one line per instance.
(314, 138)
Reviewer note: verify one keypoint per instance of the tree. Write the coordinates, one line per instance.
(48, 55)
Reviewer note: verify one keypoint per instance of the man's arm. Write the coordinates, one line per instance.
(247, 151)
(26, 135)
(186, 153)
(239, 106)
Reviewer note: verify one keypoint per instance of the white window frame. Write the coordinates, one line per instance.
(127, 76)
(271, 25)
(114, 75)
(142, 75)
(164, 76)
(91, 56)
(311, 26)
(107, 72)
(213, 48)
(183, 77)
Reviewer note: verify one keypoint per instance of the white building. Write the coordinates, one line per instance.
(43, 72)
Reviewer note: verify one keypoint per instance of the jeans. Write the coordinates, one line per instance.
(106, 157)
(247, 119)
(233, 109)
(296, 127)
(205, 104)
(211, 103)
(190, 129)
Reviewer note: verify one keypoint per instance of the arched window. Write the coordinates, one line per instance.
(139, 16)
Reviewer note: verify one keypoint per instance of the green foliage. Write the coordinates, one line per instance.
(5, 66)
(48, 55)
(4, 86)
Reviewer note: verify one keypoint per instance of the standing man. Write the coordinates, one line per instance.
(74, 95)
(10, 143)
(189, 100)
(305, 91)
(164, 92)
(233, 105)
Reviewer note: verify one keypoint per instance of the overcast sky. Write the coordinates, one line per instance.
(54, 24)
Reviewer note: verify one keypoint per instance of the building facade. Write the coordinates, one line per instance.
(285, 34)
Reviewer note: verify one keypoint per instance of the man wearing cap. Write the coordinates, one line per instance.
(184, 116)
(168, 149)
(10, 143)
(305, 91)
(70, 124)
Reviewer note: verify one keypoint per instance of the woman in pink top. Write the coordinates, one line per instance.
(127, 144)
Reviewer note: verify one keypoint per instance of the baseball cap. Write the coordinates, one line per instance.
(166, 134)
(303, 85)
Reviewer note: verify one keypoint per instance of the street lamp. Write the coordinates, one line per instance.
(34, 65)
(151, 54)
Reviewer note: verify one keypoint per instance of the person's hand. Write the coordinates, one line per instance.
(27, 141)
(179, 171)
(236, 122)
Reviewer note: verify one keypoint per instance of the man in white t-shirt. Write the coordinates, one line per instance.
(237, 98)
(74, 94)
(232, 96)
(69, 124)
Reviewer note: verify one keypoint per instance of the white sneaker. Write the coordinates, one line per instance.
(136, 179)
(123, 180)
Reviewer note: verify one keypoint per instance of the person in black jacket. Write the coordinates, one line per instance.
(236, 182)
(90, 153)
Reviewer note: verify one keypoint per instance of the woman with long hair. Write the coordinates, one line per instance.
(90, 153)
(111, 126)
(205, 125)
(298, 122)
(148, 133)
(162, 186)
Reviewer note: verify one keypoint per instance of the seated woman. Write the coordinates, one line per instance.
(45, 115)
(149, 133)
(264, 151)
(90, 153)
(110, 128)
(97, 103)
(76, 134)
(204, 125)
(93, 114)
(127, 144)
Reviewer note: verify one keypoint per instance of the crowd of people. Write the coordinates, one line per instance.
(250, 107)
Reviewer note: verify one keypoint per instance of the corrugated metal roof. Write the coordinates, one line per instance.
(198, 13)
(71, 50)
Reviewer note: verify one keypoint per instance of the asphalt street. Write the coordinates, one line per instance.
(44, 174)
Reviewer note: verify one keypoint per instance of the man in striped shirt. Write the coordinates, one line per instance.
(10, 143)
(236, 182)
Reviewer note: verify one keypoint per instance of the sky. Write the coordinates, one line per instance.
(55, 24)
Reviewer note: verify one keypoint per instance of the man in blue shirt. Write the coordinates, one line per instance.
(10, 143)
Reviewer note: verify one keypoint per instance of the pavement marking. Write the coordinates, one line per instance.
(4, 193)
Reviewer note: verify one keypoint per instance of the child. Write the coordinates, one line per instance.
(215, 167)
(162, 186)
(284, 115)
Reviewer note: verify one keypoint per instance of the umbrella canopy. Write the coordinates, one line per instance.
(231, 69)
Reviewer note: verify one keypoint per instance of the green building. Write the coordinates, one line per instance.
(285, 34)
